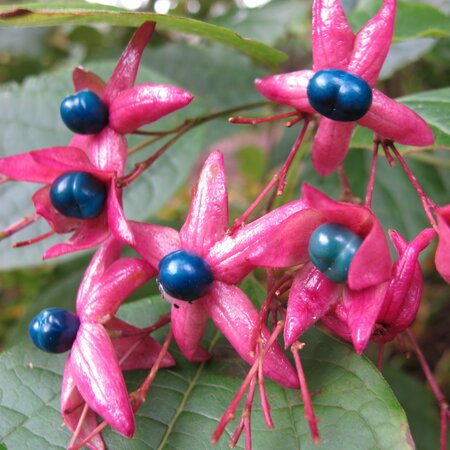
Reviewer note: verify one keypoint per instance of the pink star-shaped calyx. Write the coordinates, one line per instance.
(129, 107)
(269, 242)
(336, 47)
(312, 293)
(401, 295)
(101, 350)
(45, 166)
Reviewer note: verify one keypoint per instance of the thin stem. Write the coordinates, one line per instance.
(140, 394)
(34, 240)
(230, 412)
(264, 311)
(279, 178)
(79, 425)
(97, 430)
(257, 120)
(423, 197)
(380, 357)
(373, 170)
(309, 411)
(19, 225)
(262, 391)
(347, 194)
(245, 422)
(439, 396)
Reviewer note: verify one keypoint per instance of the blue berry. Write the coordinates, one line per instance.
(79, 195)
(184, 275)
(84, 113)
(54, 330)
(332, 248)
(339, 95)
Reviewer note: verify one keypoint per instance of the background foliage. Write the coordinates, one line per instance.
(207, 58)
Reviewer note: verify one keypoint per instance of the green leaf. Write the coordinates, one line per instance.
(59, 13)
(267, 23)
(413, 20)
(421, 408)
(357, 410)
(29, 119)
(401, 54)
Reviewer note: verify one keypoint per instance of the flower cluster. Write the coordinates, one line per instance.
(334, 256)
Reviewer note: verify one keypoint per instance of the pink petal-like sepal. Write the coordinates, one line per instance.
(330, 145)
(234, 314)
(332, 37)
(153, 242)
(288, 89)
(99, 378)
(84, 79)
(371, 264)
(126, 70)
(310, 297)
(144, 104)
(234, 257)
(443, 248)
(72, 405)
(188, 326)
(372, 43)
(396, 122)
(207, 220)
(363, 307)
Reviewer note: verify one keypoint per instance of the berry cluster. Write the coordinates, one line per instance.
(337, 261)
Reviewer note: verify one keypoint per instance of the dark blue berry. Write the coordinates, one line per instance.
(184, 275)
(339, 95)
(332, 248)
(79, 195)
(54, 330)
(84, 113)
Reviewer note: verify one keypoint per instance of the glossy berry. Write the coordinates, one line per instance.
(339, 95)
(79, 195)
(332, 248)
(54, 330)
(84, 113)
(184, 275)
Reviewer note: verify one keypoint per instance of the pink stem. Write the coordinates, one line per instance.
(283, 172)
(254, 121)
(79, 425)
(263, 313)
(387, 153)
(230, 412)
(423, 197)
(309, 411)
(380, 357)
(19, 225)
(373, 170)
(244, 423)
(439, 396)
(279, 178)
(347, 194)
(93, 433)
(34, 240)
(263, 395)
(140, 394)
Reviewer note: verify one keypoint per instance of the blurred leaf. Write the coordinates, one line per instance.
(421, 407)
(434, 108)
(267, 23)
(356, 407)
(59, 13)
(31, 120)
(413, 20)
(252, 163)
(402, 54)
